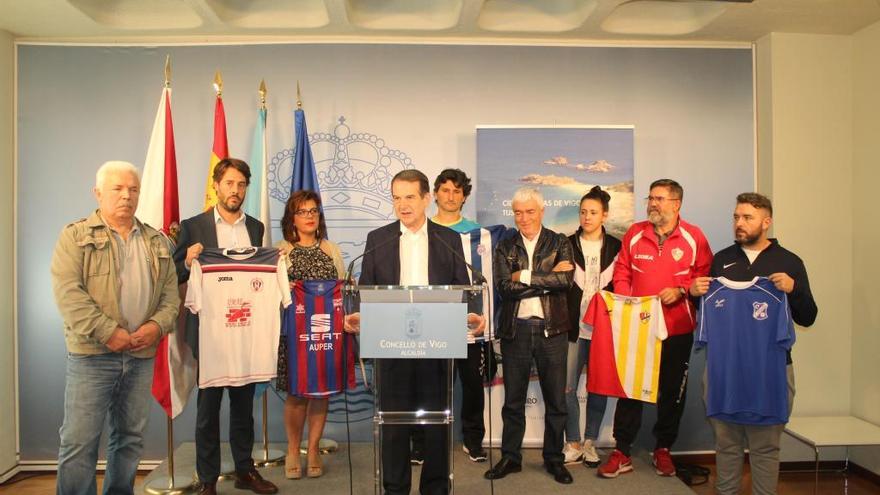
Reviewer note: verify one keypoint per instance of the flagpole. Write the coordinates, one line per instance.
(325, 445)
(265, 457)
(165, 485)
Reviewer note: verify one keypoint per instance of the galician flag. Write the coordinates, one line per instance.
(174, 369)
(256, 202)
(219, 151)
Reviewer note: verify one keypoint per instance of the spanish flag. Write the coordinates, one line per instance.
(219, 151)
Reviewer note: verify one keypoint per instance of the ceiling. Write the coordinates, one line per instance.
(428, 21)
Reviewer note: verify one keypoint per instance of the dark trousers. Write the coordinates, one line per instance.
(550, 355)
(470, 375)
(472, 396)
(408, 385)
(241, 430)
(674, 358)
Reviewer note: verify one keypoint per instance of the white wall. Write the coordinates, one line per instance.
(8, 427)
(806, 167)
(811, 159)
(865, 399)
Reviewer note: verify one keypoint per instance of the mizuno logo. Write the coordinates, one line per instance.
(719, 303)
(728, 265)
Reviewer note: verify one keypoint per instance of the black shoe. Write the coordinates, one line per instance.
(251, 480)
(559, 472)
(504, 467)
(475, 453)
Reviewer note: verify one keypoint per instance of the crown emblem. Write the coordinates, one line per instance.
(354, 171)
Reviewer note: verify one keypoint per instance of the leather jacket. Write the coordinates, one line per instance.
(552, 287)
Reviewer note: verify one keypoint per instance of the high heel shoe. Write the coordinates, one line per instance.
(315, 471)
(292, 467)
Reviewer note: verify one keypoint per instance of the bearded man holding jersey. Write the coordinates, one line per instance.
(660, 256)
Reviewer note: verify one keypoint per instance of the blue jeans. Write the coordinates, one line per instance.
(578, 357)
(98, 384)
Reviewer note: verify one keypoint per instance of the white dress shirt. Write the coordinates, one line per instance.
(530, 307)
(231, 235)
(414, 255)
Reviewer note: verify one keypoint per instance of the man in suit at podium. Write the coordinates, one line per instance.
(413, 251)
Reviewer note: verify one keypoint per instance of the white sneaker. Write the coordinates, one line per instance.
(591, 457)
(572, 454)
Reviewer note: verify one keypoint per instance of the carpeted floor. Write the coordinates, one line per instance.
(533, 480)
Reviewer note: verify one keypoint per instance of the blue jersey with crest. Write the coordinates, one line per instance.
(747, 329)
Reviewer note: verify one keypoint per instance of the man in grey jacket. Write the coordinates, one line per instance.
(116, 289)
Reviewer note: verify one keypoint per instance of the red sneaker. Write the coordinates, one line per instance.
(663, 463)
(616, 465)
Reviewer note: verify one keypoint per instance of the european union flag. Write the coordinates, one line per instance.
(304, 174)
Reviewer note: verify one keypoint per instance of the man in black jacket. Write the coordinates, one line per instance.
(754, 255)
(533, 272)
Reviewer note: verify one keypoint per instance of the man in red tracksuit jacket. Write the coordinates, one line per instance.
(660, 256)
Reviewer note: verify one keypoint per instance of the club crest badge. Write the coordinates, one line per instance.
(759, 310)
(677, 253)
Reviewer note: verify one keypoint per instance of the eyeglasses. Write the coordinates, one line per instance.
(307, 213)
(659, 199)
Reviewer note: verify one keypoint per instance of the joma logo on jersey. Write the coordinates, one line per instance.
(224, 278)
(759, 310)
(643, 257)
(645, 316)
(238, 314)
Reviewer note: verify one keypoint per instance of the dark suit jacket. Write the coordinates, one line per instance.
(202, 228)
(413, 383)
(382, 266)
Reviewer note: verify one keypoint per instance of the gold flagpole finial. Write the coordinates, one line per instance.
(263, 94)
(168, 70)
(299, 103)
(218, 83)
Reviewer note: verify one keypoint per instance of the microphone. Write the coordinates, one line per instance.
(478, 275)
(384, 243)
